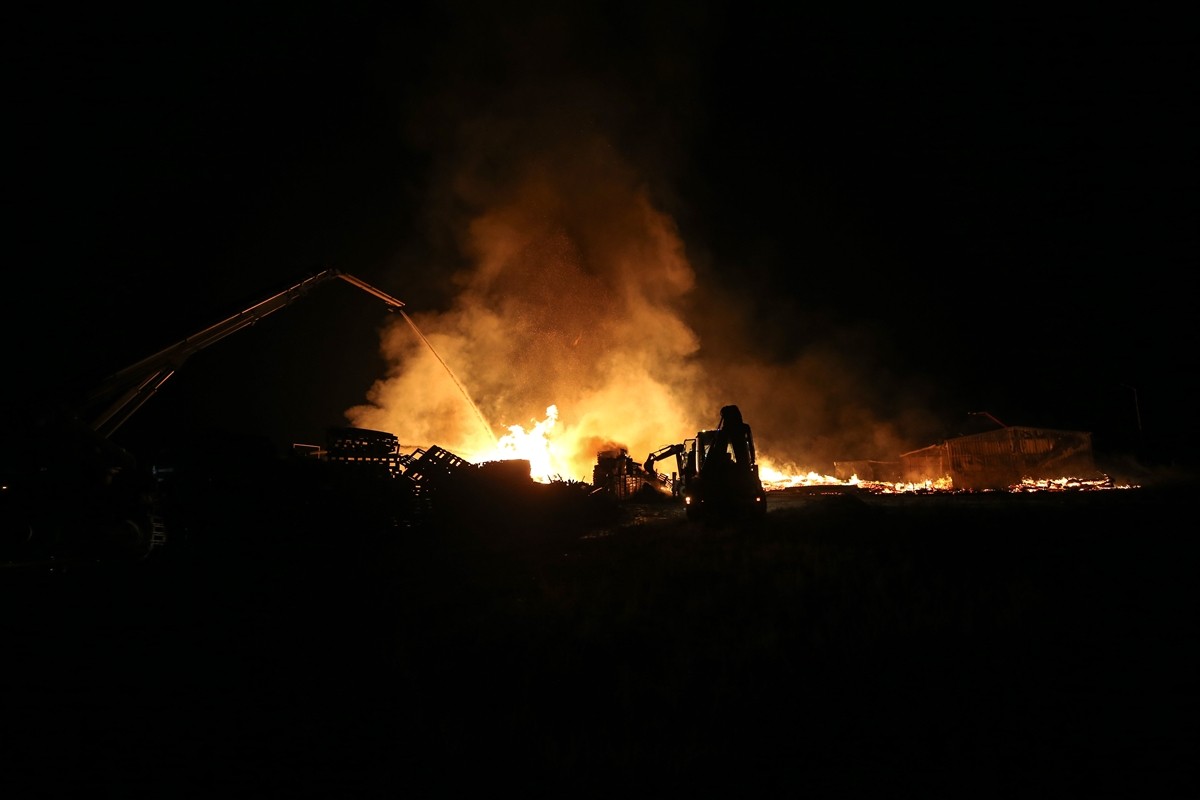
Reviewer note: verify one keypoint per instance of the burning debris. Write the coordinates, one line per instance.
(433, 486)
(1013, 460)
(578, 293)
(1005, 457)
(619, 476)
(577, 296)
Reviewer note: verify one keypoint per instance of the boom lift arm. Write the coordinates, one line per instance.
(137, 383)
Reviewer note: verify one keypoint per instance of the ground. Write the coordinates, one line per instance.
(968, 645)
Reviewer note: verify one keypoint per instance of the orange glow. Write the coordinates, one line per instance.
(576, 295)
(534, 445)
(1066, 484)
(773, 478)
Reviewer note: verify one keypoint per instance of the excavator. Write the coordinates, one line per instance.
(674, 482)
(717, 471)
(69, 492)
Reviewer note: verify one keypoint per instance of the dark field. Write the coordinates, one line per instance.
(964, 645)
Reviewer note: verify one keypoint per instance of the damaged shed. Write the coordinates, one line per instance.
(1002, 458)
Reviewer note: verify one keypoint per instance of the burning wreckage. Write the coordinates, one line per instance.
(1009, 458)
(435, 487)
(716, 480)
(69, 489)
(70, 494)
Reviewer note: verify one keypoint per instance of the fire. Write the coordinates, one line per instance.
(1068, 484)
(774, 478)
(577, 287)
(534, 445)
(554, 452)
(942, 484)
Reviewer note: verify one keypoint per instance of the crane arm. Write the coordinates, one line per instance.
(393, 303)
(137, 383)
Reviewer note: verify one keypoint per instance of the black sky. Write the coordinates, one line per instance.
(998, 207)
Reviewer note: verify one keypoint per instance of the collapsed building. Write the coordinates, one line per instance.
(1001, 458)
(995, 459)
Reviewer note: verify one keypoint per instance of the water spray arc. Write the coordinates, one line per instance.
(450, 372)
(398, 307)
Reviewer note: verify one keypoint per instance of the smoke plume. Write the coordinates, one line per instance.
(575, 300)
(577, 304)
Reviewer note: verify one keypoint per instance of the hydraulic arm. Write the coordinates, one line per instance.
(664, 452)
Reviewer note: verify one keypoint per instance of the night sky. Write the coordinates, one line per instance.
(964, 212)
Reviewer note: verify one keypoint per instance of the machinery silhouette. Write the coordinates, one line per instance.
(716, 473)
(68, 492)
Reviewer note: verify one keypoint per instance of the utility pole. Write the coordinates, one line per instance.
(1137, 409)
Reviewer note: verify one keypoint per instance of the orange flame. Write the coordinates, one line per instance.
(534, 445)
